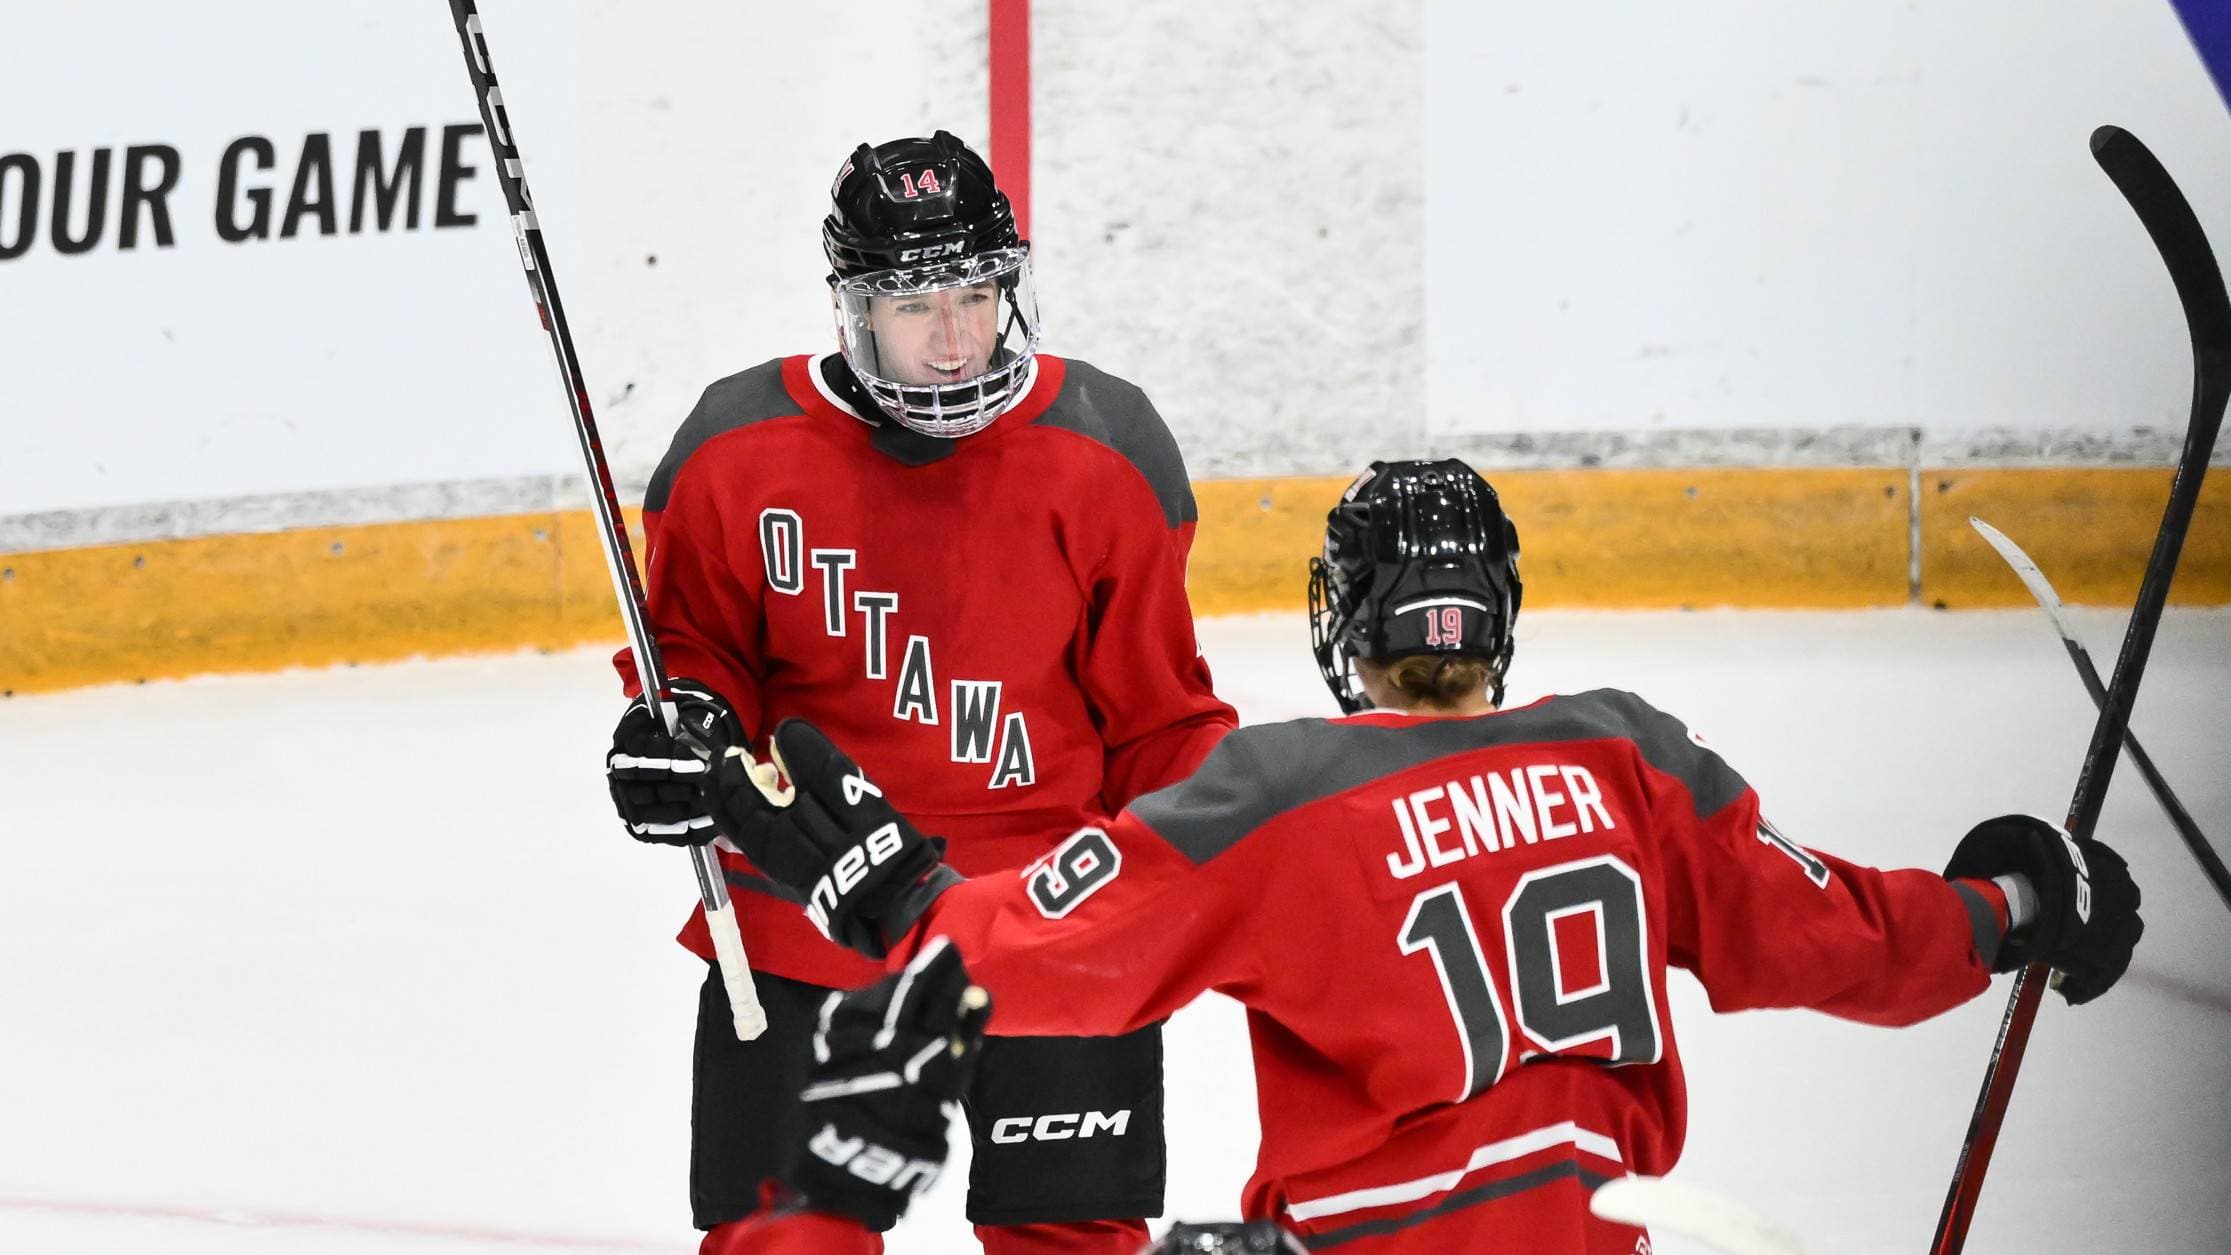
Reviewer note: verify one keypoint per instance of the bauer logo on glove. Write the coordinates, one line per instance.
(888, 1059)
(2083, 875)
(852, 867)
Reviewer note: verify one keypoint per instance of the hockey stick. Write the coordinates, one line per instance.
(2184, 248)
(1671, 1207)
(2034, 579)
(619, 559)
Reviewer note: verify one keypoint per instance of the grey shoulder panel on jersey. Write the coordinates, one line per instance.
(1116, 413)
(1257, 773)
(1667, 744)
(740, 400)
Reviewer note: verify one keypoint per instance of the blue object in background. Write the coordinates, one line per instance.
(2209, 24)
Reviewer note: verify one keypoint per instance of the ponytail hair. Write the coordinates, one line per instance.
(1439, 679)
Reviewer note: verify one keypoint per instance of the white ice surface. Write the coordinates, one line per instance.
(357, 961)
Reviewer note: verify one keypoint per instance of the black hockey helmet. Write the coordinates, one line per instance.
(1419, 559)
(1259, 1237)
(936, 311)
(910, 201)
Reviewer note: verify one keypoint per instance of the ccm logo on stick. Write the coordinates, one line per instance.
(1061, 1127)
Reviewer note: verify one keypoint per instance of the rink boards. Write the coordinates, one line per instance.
(1599, 538)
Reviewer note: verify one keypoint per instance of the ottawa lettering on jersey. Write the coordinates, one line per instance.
(981, 731)
(1495, 811)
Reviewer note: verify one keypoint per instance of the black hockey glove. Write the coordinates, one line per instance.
(2087, 905)
(655, 777)
(888, 1059)
(864, 872)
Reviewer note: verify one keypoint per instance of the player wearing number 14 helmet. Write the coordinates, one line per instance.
(1450, 921)
(965, 557)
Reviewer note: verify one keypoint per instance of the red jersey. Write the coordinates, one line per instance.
(995, 626)
(1452, 936)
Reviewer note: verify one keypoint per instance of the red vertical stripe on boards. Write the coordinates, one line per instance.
(1010, 104)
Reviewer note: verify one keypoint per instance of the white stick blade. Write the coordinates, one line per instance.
(1721, 1223)
(2026, 570)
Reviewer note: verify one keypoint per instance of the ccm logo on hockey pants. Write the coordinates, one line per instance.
(1060, 1127)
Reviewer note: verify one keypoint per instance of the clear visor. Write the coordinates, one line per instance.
(944, 348)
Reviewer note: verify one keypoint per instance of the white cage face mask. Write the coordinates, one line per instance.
(944, 348)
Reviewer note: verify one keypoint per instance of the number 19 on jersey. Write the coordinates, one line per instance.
(1552, 1018)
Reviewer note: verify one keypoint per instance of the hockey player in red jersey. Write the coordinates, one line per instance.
(966, 557)
(1450, 923)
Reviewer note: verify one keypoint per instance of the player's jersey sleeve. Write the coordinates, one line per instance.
(1143, 673)
(1141, 669)
(1765, 922)
(697, 591)
(1119, 926)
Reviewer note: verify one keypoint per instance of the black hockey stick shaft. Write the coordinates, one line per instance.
(619, 557)
(2184, 249)
(2188, 830)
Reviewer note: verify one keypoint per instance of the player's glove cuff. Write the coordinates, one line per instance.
(883, 933)
(871, 919)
